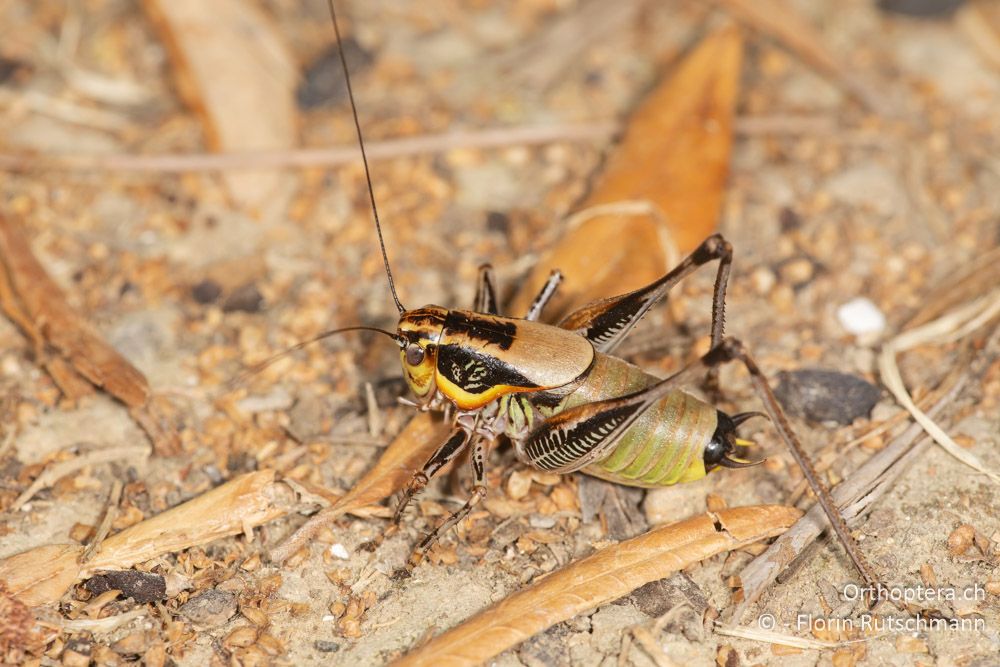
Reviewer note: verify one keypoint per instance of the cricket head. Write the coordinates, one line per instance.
(419, 332)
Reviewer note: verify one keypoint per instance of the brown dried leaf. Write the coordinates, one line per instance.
(606, 575)
(47, 319)
(44, 574)
(781, 22)
(233, 69)
(408, 451)
(674, 157)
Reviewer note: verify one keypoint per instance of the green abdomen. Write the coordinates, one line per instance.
(665, 445)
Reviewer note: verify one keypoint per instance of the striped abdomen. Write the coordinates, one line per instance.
(665, 445)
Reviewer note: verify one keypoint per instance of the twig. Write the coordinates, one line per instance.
(65, 110)
(110, 514)
(525, 135)
(102, 625)
(653, 650)
(374, 414)
(776, 637)
(334, 156)
(56, 472)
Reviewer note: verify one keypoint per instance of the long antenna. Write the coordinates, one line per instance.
(257, 368)
(364, 156)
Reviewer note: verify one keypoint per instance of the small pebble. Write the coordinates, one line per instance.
(324, 646)
(206, 292)
(247, 299)
(541, 521)
(823, 395)
(339, 551)
(322, 83)
(860, 316)
(763, 280)
(209, 609)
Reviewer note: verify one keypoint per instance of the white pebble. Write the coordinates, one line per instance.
(860, 316)
(339, 551)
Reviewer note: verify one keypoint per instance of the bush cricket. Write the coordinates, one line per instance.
(561, 397)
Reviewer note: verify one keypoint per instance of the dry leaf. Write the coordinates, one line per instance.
(606, 575)
(43, 574)
(44, 315)
(408, 451)
(674, 159)
(234, 70)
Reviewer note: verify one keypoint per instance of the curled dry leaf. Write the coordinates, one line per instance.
(234, 70)
(606, 575)
(43, 574)
(674, 158)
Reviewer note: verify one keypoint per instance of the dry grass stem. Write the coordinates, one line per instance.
(955, 325)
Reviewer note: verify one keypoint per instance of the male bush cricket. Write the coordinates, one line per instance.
(560, 396)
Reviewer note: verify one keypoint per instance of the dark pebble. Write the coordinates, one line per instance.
(323, 81)
(928, 8)
(206, 292)
(247, 299)
(497, 221)
(13, 71)
(789, 220)
(324, 646)
(821, 395)
(143, 587)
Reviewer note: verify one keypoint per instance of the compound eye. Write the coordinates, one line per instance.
(414, 354)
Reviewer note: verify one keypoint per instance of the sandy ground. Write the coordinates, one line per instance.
(851, 206)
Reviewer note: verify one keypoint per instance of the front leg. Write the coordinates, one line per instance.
(479, 451)
(443, 455)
